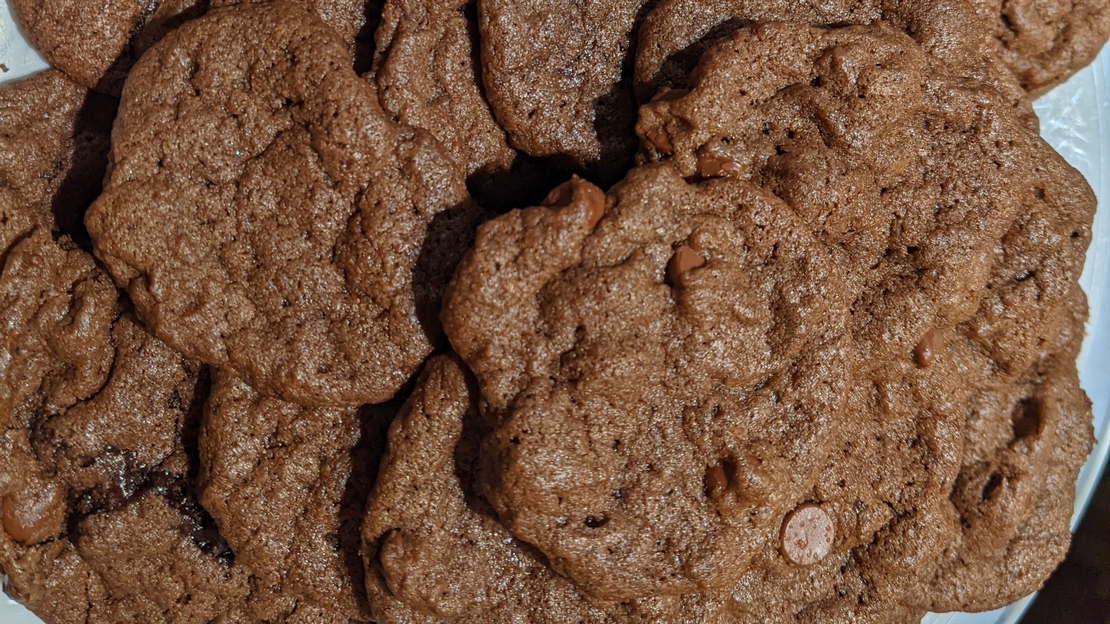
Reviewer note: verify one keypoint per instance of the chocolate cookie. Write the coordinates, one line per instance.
(442, 556)
(96, 44)
(53, 151)
(676, 33)
(1016, 387)
(1032, 286)
(557, 76)
(267, 217)
(98, 523)
(287, 486)
(1025, 446)
(877, 517)
(427, 72)
(662, 376)
(909, 173)
(353, 20)
(1043, 42)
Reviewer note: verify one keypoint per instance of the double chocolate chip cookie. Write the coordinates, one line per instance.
(659, 370)
(267, 217)
(286, 486)
(908, 173)
(98, 523)
(53, 151)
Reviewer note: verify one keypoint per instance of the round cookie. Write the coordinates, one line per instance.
(1044, 42)
(287, 486)
(427, 73)
(94, 43)
(662, 376)
(1016, 489)
(443, 556)
(53, 151)
(98, 524)
(266, 216)
(909, 173)
(557, 76)
(676, 33)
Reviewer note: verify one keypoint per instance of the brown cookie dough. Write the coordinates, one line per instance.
(557, 76)
(655, 417)
(287, 486)
(266, 217)
(53, 151)
(1043, 42)
(96, 43)
(907, 172)
(97, 521)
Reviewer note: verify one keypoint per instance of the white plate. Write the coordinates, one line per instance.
(1075, 119)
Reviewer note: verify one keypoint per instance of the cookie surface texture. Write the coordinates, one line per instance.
(265, 216)
(96, 43)
(98, 521)
(428, 77)
(649, 382)
(911, 188)
(287, 485)
(53, 151)
(677, 32)
(557, 76)
(1043, 42)
(444, 557)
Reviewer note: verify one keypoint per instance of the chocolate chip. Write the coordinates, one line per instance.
(713, 165)
(34, 513)
(658, 137)
(930, 345)
(684, 260)
(807, 535)
(578, 191)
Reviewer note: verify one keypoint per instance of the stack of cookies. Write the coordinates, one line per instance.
(491, 311)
